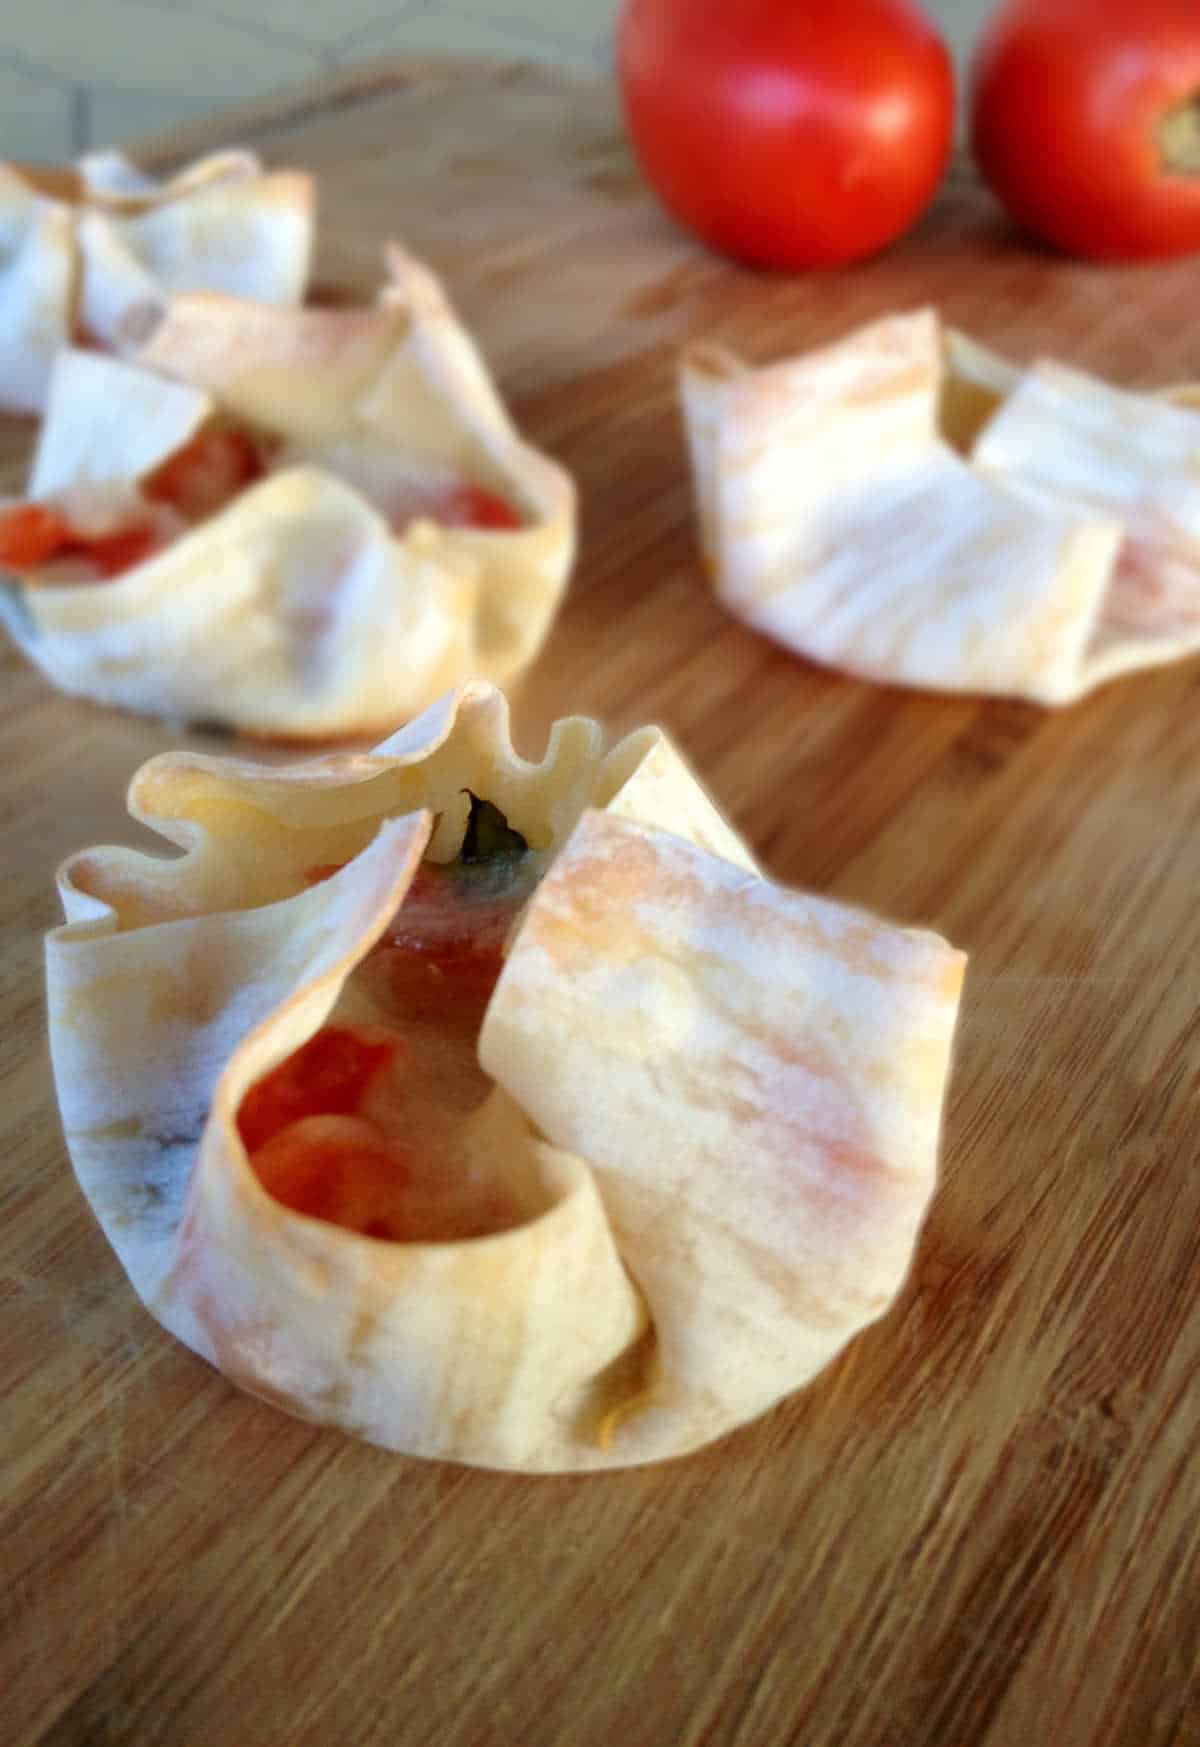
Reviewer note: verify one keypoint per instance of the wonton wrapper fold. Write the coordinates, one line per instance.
(908, 507)
(298, 610)
(716, 1102)
(81, 250)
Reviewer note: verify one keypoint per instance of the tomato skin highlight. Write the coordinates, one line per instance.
(788, 133)
(315, 1127)
(1070, 101)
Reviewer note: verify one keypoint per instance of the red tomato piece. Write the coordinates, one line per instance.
(349, 1173)
(203, 476)
(31, 534)
(450, 984)
(788, 133)
(1085, 120)
(439, 918)
(444, 950)
(115, 553)
(328, 1075)
(473, 506)
(336, 1168)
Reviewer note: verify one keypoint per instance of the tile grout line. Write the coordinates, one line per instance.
(85, 101)
(18, 62)
(265, 34)
(81, 120)
(525, 38)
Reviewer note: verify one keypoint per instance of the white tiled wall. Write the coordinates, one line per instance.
(78, 73)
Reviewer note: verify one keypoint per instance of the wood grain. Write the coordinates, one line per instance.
(981, 1525)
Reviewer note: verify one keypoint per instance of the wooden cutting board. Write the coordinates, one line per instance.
(981, 1525)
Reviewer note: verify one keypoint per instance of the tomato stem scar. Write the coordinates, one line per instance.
(1179, 137)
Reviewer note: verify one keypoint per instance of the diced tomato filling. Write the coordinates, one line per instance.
(196, 481)
(207, 473)
(33, 535)
(338, 1168)
(310, 1125)
(452, 982)
(313, 1142)
(329, 1075)
(113, 554)
(310, 1144)
(442, 953)
(470, 506)
(438, 921)
(347, 1172)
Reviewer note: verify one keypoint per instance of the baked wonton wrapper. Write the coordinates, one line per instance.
(81, 249)
(909, 507)
(322, 600)
(707, 1107)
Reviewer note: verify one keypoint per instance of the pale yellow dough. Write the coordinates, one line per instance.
(83, 249)
(309, 608)
(717, 1102)
(907, 506)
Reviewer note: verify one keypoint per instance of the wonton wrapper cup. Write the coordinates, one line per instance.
(82, 249)
(297, 611)
(716, 1101)
(907, 506)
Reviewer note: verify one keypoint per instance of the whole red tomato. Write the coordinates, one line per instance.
(1085, 120)
(788, 133)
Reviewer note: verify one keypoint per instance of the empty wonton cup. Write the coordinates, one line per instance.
(298, 523)
(908, 507)
(82, 249)
(492, 1110)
